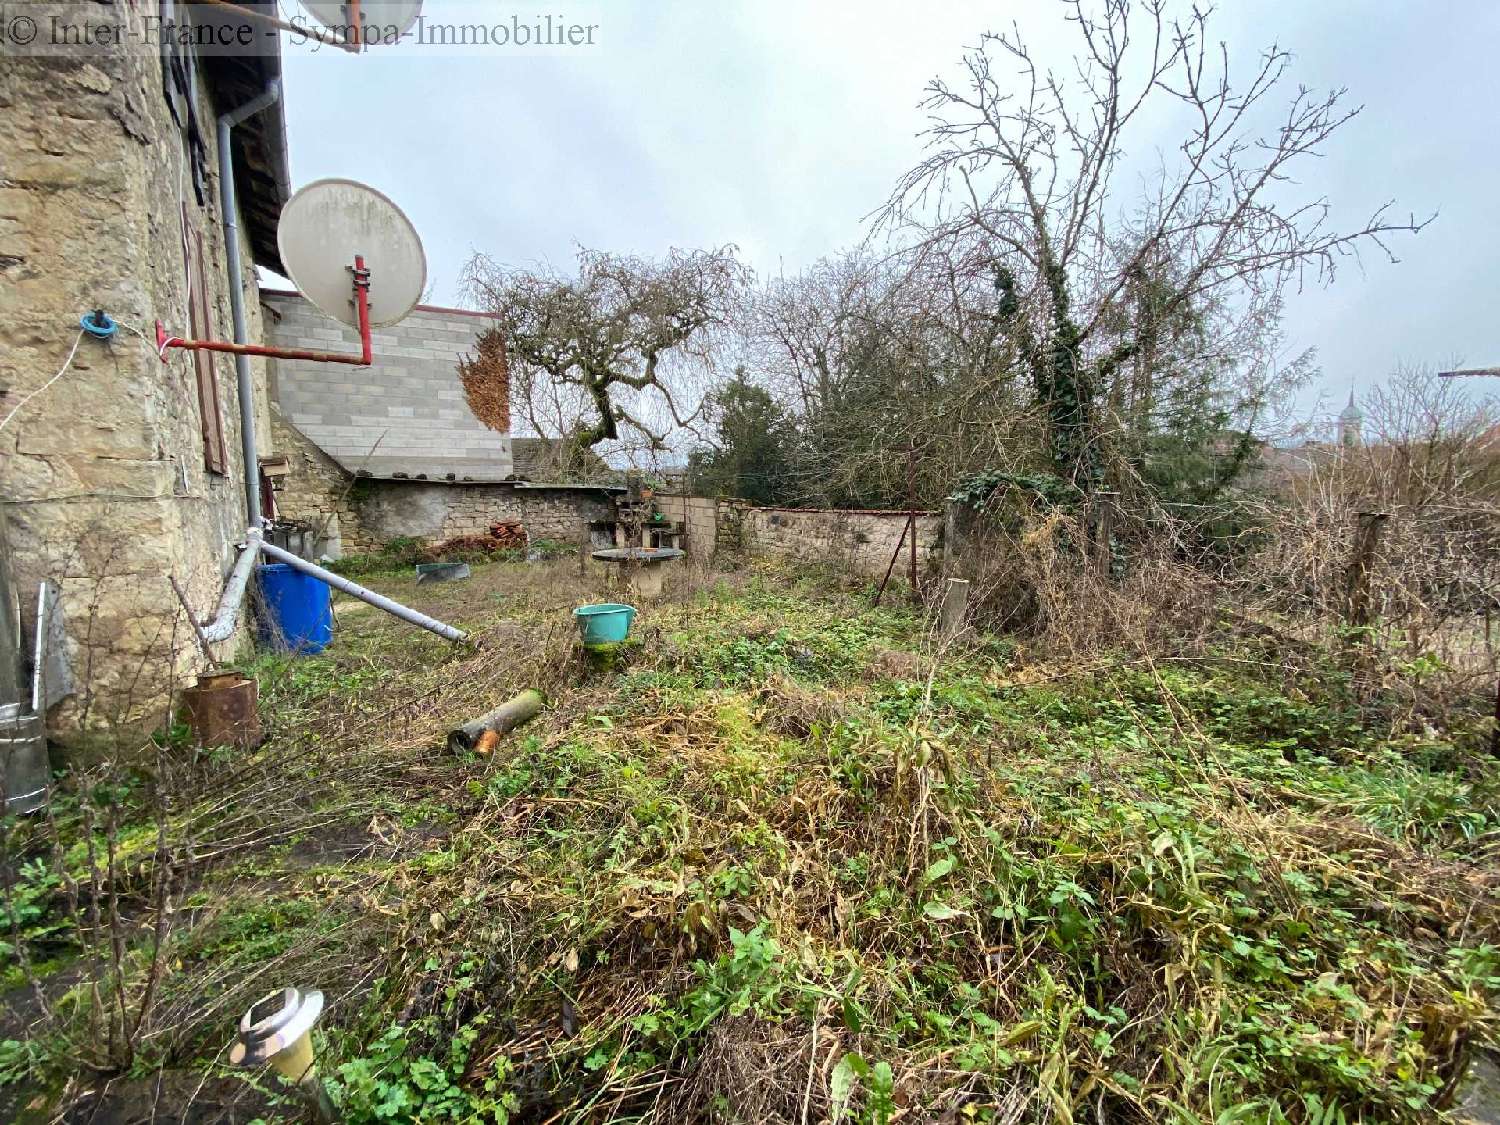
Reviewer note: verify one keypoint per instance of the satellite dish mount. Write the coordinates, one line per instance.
(360, 277)
(324, 227)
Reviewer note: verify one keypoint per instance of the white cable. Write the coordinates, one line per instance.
(158, 350)
(67, 363)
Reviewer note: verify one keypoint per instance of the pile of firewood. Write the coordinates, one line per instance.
(506, 535)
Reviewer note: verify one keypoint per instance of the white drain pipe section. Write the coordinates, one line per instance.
(221, 628)
(355, 590)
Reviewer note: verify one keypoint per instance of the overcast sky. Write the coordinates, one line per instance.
(777, 126)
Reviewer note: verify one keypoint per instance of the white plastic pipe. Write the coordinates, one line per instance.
(221, 628)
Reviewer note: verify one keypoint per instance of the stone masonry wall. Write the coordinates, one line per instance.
(318, 492)
(102, 475)
(859, 541)
(434, 512)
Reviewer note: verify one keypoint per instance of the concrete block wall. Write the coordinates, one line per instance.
(405, 413)
(699, 515)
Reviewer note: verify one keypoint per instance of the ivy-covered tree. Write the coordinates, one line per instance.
(1025, 170)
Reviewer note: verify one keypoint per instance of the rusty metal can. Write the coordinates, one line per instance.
(221, 710)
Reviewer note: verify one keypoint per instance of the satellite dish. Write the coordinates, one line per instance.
(380, 21)
(326, 224)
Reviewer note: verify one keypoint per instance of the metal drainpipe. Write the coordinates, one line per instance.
(355, 590)
(222, 626)
(229, 206)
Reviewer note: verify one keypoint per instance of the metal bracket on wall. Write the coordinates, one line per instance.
(361, 283)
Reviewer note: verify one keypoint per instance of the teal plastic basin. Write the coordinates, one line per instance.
(604, 624)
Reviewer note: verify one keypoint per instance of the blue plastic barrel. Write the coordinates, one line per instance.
(604, 624)
(297, 609)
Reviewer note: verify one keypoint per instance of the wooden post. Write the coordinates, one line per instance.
(955, 605)
(911, 510)
(1361, 562)
(1104, 530)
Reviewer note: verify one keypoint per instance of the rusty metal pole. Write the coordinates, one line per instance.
(890, 568)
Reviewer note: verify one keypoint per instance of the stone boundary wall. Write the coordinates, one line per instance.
(859, 541)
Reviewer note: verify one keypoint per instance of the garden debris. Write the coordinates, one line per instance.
(507, 535)
(512, 713)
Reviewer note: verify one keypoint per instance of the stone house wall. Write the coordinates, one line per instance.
(103, 475)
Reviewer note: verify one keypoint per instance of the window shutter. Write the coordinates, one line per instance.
(209, 416)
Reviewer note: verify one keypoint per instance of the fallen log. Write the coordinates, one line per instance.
(507, 717)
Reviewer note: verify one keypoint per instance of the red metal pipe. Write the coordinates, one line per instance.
(361, 304)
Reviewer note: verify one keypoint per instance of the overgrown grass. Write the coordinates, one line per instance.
(790, 863)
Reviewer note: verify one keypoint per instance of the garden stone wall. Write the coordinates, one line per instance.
(858, 541)
(861, 542)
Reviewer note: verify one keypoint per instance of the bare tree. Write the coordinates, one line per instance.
(1021, 185)
(874, 357)
(618, 342)
(1429, 462)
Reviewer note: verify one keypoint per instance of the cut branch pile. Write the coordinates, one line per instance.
(507, 535)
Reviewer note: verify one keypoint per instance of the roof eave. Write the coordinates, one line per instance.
(262, 170)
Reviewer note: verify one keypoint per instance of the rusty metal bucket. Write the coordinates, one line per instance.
(221, 710)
